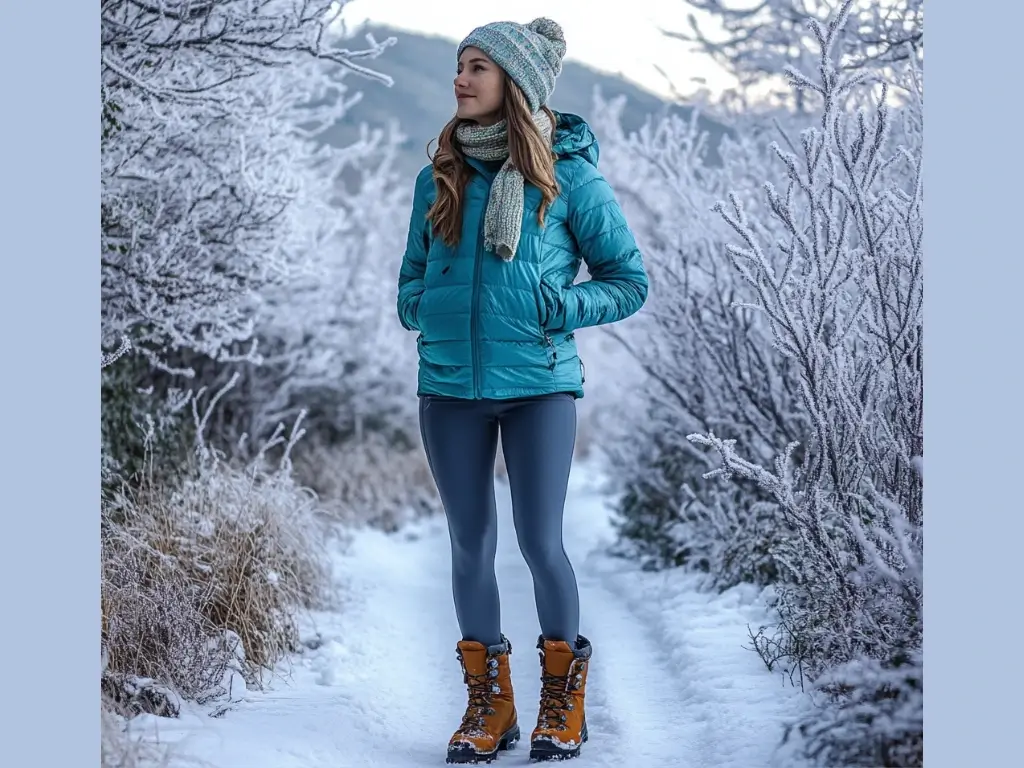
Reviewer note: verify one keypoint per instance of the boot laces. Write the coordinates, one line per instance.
(482, 688)
(556, 696)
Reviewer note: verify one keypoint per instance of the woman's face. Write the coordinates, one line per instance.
(479, 87)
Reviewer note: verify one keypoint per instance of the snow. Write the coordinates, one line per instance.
(671, 683)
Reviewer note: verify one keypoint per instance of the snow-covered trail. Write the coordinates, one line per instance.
(670, 683)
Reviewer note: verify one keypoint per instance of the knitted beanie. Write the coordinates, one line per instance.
(530, 54)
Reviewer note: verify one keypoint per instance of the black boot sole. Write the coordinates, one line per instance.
(464, 754)
(545, 750)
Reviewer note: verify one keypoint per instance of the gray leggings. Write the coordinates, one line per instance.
(537, 437)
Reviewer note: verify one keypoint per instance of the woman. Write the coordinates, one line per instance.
(502, 218)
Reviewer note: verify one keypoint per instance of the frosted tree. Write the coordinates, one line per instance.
(331, 344)
(216, 192)
(759, 39)
(212, 186)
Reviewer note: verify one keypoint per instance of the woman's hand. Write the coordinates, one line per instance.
(414, 263)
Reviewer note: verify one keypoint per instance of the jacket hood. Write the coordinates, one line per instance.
(574, 137)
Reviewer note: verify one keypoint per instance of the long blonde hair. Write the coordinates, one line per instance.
(529, 152)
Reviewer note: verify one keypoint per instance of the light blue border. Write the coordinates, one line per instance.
(49, 212)
(974, 383)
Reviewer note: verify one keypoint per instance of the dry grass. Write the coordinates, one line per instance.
(188, 572)
(368, 481)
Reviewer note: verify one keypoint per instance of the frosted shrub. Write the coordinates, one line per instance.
(369, 480)
(784, 333)
(704, 363)
(842, 292)
(235, 240)
(334, 351)
(332, 346)
(220, 200)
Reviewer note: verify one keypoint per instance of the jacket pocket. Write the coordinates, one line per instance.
(414, 311)
(422, 313)
(542, 310)
(551, 306)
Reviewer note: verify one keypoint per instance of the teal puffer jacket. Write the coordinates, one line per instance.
(495, 329)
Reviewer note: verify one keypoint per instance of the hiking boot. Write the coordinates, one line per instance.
(490, 723)
(561, 722)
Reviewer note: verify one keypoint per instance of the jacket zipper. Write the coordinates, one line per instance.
(583, 368)
(475, 319)
(550, 344)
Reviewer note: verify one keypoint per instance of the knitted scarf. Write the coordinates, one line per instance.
(503, 218)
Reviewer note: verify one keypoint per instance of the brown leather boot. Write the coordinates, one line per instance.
(490, 723)
(561, 722)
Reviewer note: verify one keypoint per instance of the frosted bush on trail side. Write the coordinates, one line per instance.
(705, 362)
(242, 256)
(843, 301)
(334, 353)
(213, 187)
(332, 346)
(201, 580)
(234, 238)
(785, 334)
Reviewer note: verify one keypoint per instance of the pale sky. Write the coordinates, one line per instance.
(626, 43)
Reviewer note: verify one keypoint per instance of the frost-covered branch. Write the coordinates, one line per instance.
(213, 186)
(758, 41)
(107, 359)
